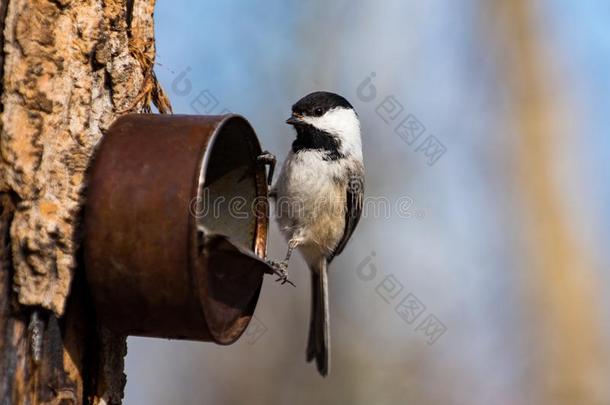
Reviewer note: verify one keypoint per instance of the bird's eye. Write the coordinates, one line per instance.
(318, 112)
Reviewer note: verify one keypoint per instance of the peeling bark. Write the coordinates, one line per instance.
(69, 69)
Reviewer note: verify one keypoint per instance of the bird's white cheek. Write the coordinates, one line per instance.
(344, 124)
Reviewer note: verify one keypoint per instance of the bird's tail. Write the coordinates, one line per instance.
(318, 345)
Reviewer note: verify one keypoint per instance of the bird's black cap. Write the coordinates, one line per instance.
(318, 103)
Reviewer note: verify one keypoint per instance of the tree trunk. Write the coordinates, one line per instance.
(69, 69)
(567, 359)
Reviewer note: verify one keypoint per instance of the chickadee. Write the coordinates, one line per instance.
(319, 199)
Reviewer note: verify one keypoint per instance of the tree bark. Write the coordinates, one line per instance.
(69, 69)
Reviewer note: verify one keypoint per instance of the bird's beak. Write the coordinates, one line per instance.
(293, 120)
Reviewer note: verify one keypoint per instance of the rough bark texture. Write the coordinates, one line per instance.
(69, 68)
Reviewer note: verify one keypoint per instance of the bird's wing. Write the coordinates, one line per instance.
(353, 211)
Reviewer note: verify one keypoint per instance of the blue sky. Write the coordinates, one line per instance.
(257, 58)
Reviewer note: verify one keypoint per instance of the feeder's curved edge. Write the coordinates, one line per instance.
(260, 239)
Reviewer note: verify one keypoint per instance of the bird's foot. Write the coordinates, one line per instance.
(267, 158)
(280, 269)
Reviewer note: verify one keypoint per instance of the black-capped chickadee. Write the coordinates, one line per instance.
(319, 199)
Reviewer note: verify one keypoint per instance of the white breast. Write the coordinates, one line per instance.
(310, 204)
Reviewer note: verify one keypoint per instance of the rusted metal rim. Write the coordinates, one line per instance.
(238, 321)
(150, 272)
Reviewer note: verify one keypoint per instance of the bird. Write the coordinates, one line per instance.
(318, 200)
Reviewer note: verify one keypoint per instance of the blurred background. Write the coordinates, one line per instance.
(481, 278)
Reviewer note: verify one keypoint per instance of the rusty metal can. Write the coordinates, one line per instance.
(155, 181)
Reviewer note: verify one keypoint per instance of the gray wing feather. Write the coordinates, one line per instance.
(354, 197)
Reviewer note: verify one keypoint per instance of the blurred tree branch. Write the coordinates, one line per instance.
(567, 356)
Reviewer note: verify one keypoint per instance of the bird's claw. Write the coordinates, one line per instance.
(280, 269)
(267, 158)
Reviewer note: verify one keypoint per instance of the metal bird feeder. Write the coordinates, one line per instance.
(157, 181)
